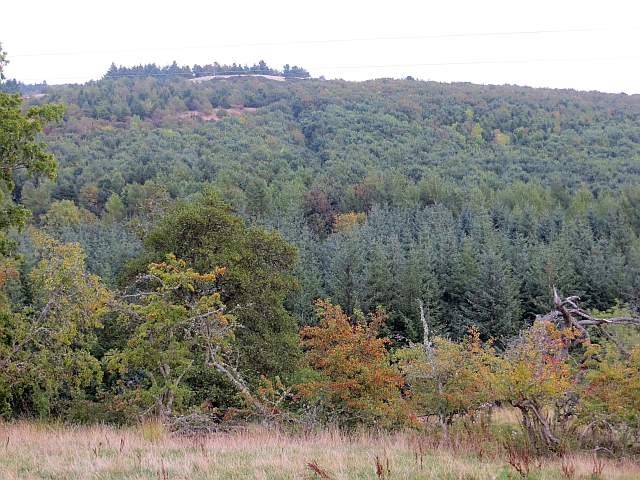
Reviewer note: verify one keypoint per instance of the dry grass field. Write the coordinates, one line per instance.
(44, 450)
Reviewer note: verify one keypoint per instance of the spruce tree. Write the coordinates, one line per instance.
(492, 301)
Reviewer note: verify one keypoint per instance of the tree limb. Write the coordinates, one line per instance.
(574, 316)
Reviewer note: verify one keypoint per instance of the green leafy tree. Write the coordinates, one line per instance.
(19, 149)
(206, 234)
(45, 346)
(63, 213)
(172, 323)
(114, 210)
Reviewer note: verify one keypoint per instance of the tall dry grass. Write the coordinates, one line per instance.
(44, 450)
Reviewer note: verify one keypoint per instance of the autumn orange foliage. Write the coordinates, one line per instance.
(358, 383)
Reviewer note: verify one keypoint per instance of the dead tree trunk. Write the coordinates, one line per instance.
(567, 314)
(428, 350)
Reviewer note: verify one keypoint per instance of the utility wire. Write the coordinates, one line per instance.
(478, 63)
(347, 40)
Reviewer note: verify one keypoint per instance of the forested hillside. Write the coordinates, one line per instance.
(457, 206)
(478, 198)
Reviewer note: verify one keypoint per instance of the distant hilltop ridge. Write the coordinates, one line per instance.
(268, 77)
(206, 71)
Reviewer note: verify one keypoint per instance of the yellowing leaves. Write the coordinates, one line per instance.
(172, 325)
(449, 378)
(359, 383)
(348, 220)
(51, 338)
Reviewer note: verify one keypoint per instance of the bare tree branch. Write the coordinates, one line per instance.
(572, 315)
(614, 340)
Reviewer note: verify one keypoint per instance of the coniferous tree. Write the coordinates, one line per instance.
(492, 301)
(602, 278)
(419, 283)
(528, 261)
(257, 197)
(307, 270)
(345, 269)
(454, 267)
(382, 280)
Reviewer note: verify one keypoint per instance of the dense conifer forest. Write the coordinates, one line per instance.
(409, 203)
(391, 189)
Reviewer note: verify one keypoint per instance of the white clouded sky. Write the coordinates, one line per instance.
(39, 36)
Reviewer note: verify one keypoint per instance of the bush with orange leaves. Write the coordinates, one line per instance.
(357, 384)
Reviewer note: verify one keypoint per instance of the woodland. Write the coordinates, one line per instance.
(385, 254)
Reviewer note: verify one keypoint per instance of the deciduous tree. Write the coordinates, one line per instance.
(358, 385)
(171, 323)
(447, 378)
(206, 234)
(610, 404)
(45, 346)
(533, 375)
(20, 149)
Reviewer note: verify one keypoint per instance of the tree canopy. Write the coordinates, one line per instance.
(19, 149)
(258, 265)
(468, 208)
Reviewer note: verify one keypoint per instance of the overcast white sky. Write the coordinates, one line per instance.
(74, 41)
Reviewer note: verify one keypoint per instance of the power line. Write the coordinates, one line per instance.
(347, 40)
(477, 63)
(238, 73)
